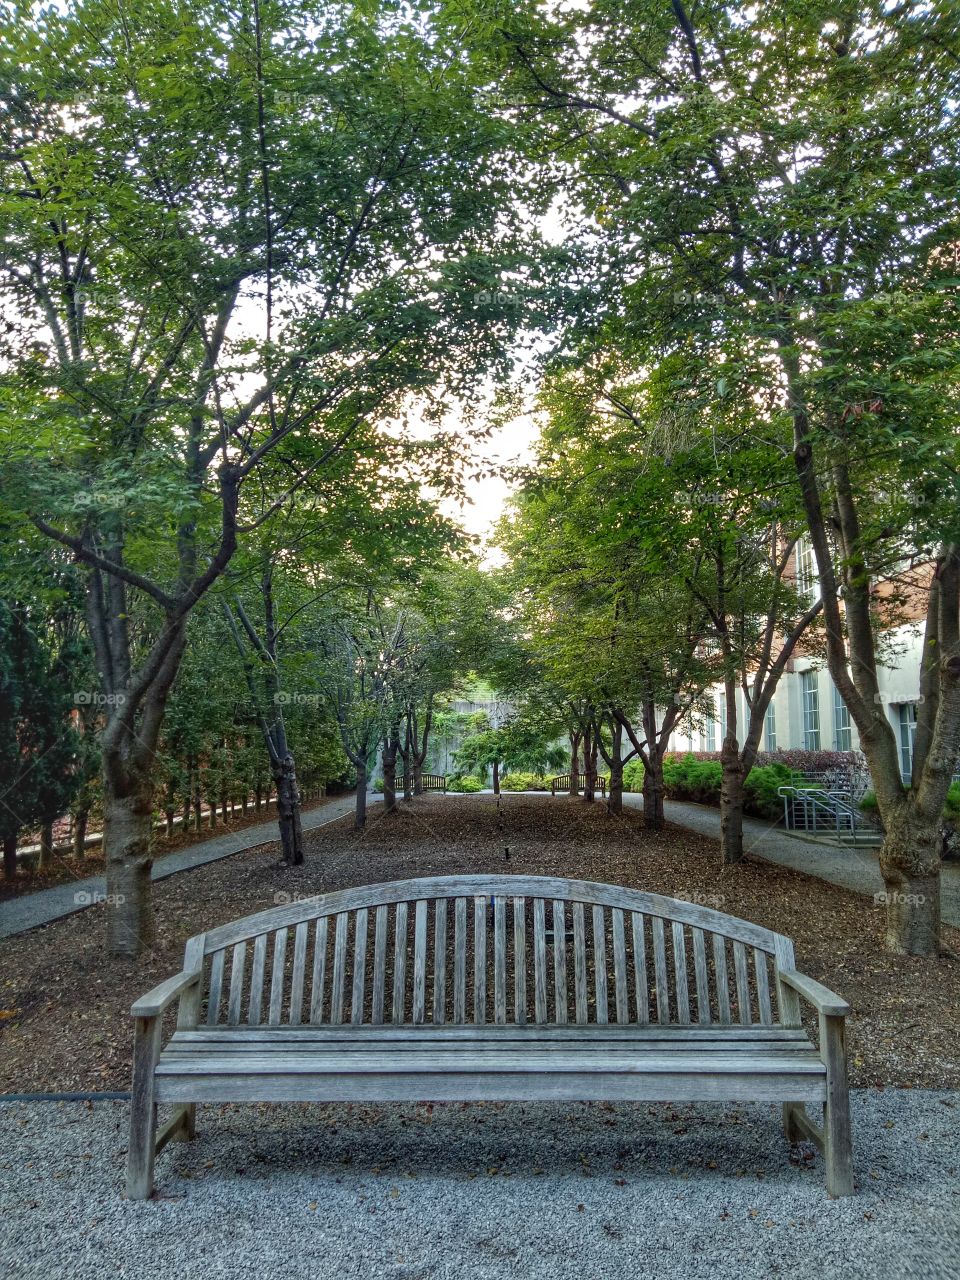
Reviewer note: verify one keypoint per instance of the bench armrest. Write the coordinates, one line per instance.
(161, 997)
(824, 1000)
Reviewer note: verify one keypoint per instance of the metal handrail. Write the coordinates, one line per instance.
(813, 801)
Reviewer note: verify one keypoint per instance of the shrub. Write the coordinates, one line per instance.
(463, 783)
(633, 775)
(523, 782)
(760, 789)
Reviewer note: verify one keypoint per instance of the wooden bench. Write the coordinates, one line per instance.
(562, 783)
(428, 781)
(489, 987)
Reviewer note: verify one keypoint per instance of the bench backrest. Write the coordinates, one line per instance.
(492, 949)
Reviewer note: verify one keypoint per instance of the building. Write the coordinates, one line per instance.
(807, 712)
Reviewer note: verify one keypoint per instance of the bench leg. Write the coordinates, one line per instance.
(186, 1129)
(837, 1135)
(143, 1110)
(791, 1122)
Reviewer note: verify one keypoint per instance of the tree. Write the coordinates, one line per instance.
(780, 179)
(162, 185)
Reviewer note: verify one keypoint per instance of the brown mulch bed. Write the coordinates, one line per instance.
(64, 1021)
(66, 868)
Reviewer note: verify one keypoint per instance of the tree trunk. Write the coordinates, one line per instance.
(615, 791)
(211, 801)
(910, 863)
(574, 787)
(258, 797)
(127, 832)
(589, 768)
(653, 793)
(169, 815)
(45, 861)
(243, 802)
(417, 777)
(9, 857)
(360, 819)
(80, 819)
(288, 812)
(197, 800)
(388, 759)
(496, 777)
(731, 808)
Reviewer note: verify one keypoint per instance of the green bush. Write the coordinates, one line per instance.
(463, 783)
(633, 775)
(760, 790)
(524, 782)
(687, 778)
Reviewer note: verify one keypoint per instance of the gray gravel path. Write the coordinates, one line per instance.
(34, 909)
(548, 1191)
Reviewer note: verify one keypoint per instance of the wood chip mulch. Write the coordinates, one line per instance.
(64, 1010)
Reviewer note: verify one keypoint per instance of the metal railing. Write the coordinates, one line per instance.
(815, 810)
(562, 783)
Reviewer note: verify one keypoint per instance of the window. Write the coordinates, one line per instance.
(723, 717)
(806, 568)
(770, 728)
(810, 700)
(907, 716)
(842, 735)
(710, 733)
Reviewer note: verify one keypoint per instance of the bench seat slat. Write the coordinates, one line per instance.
(597, 1058)
(527, 1034)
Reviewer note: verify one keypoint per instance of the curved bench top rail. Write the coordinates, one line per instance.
(548, 887)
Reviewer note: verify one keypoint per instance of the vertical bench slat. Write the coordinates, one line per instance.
(319, 977)
(560, 959)
(723, 982)
(519, 960)
(216, 988)
(420, 961)
(680, 972)
(440, 960)
(600, 963)
(539, 962)
(400, 963)
(379, 965)
(237, 963)
(359, 966)
(580, 963)
(479, 960)
(763, 986)
(660, 970)
(499, 959)
(277, 976)
(339, 968)
(640, 967)
(299, 972)
(743, 985)
(703, 980)
(620, 965)
(460, 961)
(256, 979)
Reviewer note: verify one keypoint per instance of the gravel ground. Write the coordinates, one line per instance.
(483, 1191)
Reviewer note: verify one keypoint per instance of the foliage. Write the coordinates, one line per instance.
(524, 782)
(460, 783)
